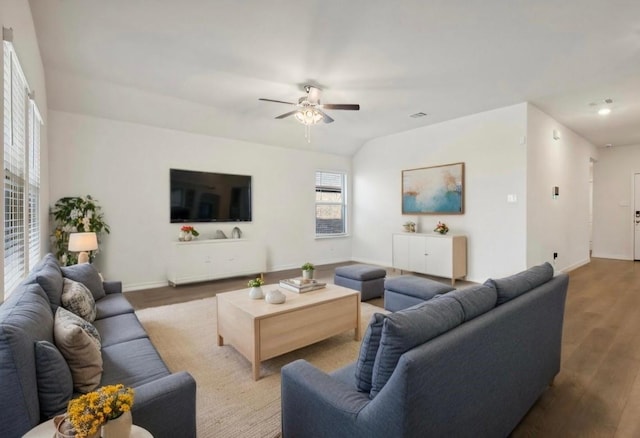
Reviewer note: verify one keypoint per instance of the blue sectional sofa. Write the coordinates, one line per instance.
(35, 381)
(468, 363)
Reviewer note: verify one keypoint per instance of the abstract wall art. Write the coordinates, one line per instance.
(433, 190)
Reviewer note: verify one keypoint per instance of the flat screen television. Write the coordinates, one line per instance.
(209, 197)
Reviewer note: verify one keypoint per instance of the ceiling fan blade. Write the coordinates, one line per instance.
(341, 106)
(277, 101)
(325, 116)
(290, 113)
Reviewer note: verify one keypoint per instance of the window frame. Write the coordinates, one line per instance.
(343, 203)
(21, 201)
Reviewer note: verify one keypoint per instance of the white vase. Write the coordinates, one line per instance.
(181, 235)
(118, 427)
(255, 293)
(307, 275)
(188, 237)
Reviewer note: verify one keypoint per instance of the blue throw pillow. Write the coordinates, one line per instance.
(368, 352)
(55, 385)
(515, 285)
(88, 275)
(408, 328)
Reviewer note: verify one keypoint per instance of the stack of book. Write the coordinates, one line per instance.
(300, 285)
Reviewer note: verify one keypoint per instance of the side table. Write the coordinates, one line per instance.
(47, 430)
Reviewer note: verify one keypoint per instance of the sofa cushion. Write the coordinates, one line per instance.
(55, 385)
(475, 300)
(515, 285)
(88, 275)
(408, 328)
(368, 352)
(119, 328)
(112, 305)
(79, 343)
(77, 299)
(132, 363)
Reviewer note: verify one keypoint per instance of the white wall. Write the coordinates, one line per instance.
(126, 167)
(490, 145)
(613, 205)
(16, 14)
(557, 225)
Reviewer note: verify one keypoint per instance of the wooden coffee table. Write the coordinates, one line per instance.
(259, 330)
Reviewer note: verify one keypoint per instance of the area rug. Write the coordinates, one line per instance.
(229, 402)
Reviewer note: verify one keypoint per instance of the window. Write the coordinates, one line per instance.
(331, 205)
(21, 150)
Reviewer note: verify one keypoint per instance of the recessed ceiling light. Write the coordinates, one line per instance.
(418, 115)
(604, 111)
(608, 145)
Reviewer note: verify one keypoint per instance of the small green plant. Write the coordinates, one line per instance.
(256, 283)
(308, 267)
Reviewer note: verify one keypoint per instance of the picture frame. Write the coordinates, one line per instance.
(433, 190)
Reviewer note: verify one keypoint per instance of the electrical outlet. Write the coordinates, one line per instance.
(555, 255)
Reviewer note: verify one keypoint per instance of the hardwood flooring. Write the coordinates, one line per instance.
(596, 393)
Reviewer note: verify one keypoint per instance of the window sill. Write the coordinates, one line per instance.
(332, 236)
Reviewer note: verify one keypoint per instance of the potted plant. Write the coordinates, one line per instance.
(441, 228)
(75, 215)
(108, 407)
(307, 271)
(255, 293)
(187, 232)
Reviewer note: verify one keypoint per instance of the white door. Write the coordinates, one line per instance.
(636, 208)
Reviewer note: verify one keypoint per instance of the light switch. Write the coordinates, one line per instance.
(512, 198)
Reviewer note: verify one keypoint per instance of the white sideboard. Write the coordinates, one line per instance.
(211, 259)
(431, 254)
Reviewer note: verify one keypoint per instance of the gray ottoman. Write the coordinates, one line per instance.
(408, 290)
(369, 280)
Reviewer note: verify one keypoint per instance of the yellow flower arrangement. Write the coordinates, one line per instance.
(89, 411)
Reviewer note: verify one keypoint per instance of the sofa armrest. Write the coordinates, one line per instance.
(112, 287)
(316, 404)
(167, 407)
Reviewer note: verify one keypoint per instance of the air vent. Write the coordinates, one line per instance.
(418, 115)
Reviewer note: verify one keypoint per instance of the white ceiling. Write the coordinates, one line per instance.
(201, 65)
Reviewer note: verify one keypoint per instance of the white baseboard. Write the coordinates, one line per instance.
(611, 256)
(576, 265)
(141, 286)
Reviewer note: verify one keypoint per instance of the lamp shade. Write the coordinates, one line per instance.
(83, 242)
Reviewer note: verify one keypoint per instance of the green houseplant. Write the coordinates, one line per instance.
(72, 215)
(307, 271)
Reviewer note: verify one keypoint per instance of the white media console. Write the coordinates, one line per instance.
(431, 254)
(211, 259)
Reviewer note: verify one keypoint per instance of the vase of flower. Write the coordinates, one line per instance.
(187, 233)
(119, 427)
(255, 293)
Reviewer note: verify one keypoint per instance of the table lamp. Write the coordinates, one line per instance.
(82, 243)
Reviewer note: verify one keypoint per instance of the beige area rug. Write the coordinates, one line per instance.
(229, 402)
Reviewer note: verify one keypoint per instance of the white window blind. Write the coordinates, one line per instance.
(34, 183)
(331, 203)
(21, 151)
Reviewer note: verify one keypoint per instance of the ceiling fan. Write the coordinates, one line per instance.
(309, 109)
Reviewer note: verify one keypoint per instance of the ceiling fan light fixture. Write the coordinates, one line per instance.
(308, 116)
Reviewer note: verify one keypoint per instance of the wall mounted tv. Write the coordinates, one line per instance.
(209, 197)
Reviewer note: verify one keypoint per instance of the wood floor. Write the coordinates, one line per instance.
(596, 393)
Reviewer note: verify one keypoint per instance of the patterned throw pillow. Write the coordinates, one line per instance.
(77, 299)
(79, 343)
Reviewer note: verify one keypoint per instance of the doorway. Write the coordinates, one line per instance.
(636, 219)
